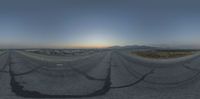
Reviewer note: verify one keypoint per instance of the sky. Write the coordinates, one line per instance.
(98, 23)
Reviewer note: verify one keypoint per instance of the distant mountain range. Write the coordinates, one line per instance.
(156, 47)
(133, 47)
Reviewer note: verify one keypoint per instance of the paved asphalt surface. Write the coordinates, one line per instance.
(103, 75)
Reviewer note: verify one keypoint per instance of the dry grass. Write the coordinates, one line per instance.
(162, 54)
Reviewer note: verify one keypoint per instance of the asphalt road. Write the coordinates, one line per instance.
(104, 75)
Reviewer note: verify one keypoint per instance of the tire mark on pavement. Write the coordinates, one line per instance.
(19, 91)
(134, 83)
(72, 68)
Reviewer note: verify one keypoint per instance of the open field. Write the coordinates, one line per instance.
(163, 54)
(105, 74)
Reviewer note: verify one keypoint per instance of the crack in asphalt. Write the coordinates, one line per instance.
(190, 68)
(159, 83)
(27, 72)
(86, 75)
(2, 70)
(72, 68)
(136, 82)
(19, 90)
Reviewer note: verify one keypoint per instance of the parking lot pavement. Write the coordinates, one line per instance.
(108, 75)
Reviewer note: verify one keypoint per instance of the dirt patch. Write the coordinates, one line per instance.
(163, 54)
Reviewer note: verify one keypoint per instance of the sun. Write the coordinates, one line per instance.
(95, 39)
